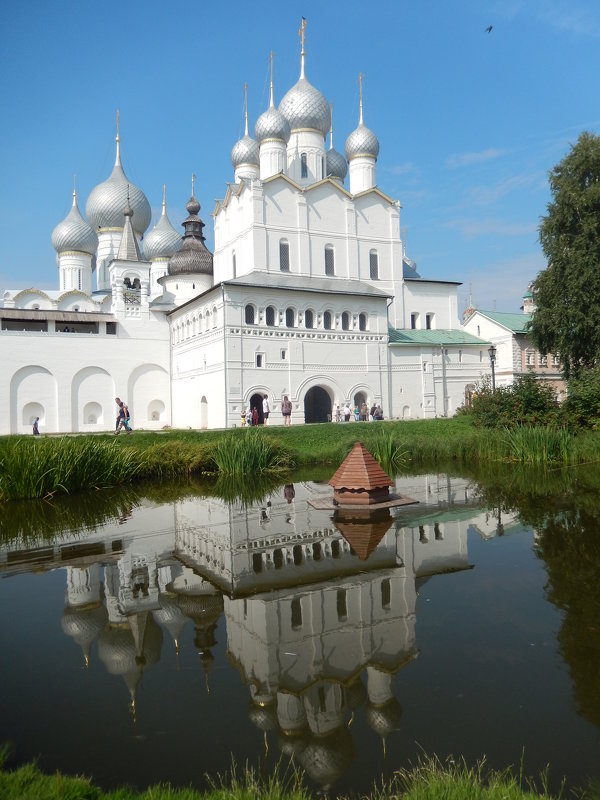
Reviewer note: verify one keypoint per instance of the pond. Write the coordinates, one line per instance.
(157, 635)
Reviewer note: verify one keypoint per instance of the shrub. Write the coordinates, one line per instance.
(582, 405)
(528, 401)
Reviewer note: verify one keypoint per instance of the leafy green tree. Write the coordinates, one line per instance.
(567, 292)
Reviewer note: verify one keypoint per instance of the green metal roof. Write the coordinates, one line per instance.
(517, 323)
(433, 337)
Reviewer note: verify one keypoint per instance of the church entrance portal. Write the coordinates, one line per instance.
(317, 405)
(256, 400)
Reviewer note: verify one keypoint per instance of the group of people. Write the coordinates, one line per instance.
(360, 413)
(251, 415)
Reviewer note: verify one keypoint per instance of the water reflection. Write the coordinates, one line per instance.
(318, 607)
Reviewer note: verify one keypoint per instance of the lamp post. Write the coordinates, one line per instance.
(492, 355)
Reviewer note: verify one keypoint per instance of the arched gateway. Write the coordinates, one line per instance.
(317, 405)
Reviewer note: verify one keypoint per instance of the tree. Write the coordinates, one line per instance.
(567, 293)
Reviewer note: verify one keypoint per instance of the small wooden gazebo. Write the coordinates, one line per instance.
(360, 480)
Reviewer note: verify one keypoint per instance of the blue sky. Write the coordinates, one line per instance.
(469, 122)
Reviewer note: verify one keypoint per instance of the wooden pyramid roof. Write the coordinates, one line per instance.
(360, 470)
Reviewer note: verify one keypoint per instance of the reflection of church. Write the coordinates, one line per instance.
(309, 294)
(316, 630)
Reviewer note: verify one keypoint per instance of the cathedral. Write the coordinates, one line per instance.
(309, 295)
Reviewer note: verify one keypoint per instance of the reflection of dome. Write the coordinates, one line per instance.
(171, 616)
(292, 745)
(83, 625)
(104, 207)
(125, 650)
(356, 694)
(74, 233)
(385, 719)
(326, 759)
(264, 717)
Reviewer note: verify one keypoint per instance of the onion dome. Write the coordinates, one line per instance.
(362, 141)
(246, 150)
(193, 257)
(163, 240)
(336, 166)
(104, 207)
(272, 124)
(304, 106)
(74, 233)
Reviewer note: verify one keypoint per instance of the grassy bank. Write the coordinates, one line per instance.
(429, 780)
(43, 466)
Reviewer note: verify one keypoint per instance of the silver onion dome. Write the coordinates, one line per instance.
(305, 107)
(336, 164)
(163, 240)
(272, 125)
(245, 151)
(361, 142)
(74, 233)
(104, 207)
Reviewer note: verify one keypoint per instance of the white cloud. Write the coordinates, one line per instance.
(492, 226)
(402, 169)
(458, 160)
(488, 195)
(501, 284)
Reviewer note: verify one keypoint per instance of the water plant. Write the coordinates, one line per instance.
(538, 445)
(250, 454)
(385, 448)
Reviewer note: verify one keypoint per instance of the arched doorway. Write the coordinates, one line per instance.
(317, 405)
(256, 400)
(360, 398)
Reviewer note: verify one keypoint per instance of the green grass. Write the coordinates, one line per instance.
(43, 466)
(428, 780)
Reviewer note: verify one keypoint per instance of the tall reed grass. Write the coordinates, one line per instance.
(42, 467)
(385, 448)
(537, 445)
(249, 453)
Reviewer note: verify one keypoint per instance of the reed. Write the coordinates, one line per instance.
(250, 454)
(385, 448)
(537, 445)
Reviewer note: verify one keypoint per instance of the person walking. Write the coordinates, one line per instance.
(265, 404)
(338, 414)
(123, 417)
(356, 413)
(286, 410)
(36, 429)
(364, 412)
(347, 413)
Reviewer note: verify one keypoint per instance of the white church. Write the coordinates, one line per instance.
(309, 295)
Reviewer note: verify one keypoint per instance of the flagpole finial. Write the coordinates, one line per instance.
(246, 109)
(301, 34)
(360, 83)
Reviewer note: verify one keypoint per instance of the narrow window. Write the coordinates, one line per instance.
(257, 562)
(79, 278)
(308, 319)
(249, 316)
(437, 532)
(374, 265)
(259, 360)
(386, 593)
(297, 551)
(345, 321)
(460, 356)
(296, 613)
(270, 316)
(303, 166)
(284, 355)
(329, 261)
(335, 548)
(316, 548)
(342, 607)
(322, 166)
(327, 320)
(543, 360)
(429, 321)
(233, 263)
(413, 321)
(322, 702)
(284, 256)
(289, 318)
(278, 558)
(362, 322)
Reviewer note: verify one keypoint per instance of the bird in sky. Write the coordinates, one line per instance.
(489, 29)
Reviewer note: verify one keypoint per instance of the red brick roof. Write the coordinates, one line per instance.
(360, 471)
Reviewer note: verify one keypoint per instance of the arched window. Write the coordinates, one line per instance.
(374, 265)
(309, 319)
(284, 256)
(233, 263)
(362, 322)
(249, 314)
(214, 317)
(329, 260)
(289, 318)
(270, 316)
(303, 166)
(327, 320)
(345, 321)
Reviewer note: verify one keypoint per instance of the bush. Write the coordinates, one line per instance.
(582, 405)
(528, 401)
